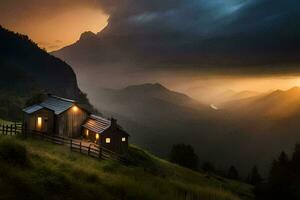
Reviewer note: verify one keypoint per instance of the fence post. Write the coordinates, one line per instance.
(100, 152)
(89, 149)
(80, 147)
(71, 144)
(3, 129)
(15, 128)
(6, 131)
(11, 129)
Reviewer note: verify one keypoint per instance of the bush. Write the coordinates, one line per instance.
(13, 153)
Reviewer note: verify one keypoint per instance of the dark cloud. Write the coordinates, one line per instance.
(241, 32)
(194, 33)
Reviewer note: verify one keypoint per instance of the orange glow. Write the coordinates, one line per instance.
(39, 122)
(75, 108)
(87, 132)
(53, 31)
(97, 136)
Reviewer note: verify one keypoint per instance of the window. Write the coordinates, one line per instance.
(123, 139)
(39, 122)
(87, 133)
(107, 140)
(97, 136)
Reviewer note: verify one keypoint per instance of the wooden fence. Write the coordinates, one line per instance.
(90, 149)
(12, 129)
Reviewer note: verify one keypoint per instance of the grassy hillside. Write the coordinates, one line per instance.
(33, 169)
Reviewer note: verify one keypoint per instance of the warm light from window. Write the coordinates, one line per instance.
(123, 139)
(107, 140)
(39, 122)
(97, 136)
(75, 108)
(87, 133)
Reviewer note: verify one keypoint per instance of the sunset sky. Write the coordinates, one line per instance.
(52, 23)
(236, 41)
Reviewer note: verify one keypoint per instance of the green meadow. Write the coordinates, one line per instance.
(35, 169)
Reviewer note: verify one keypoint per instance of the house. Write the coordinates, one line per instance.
(66, 118)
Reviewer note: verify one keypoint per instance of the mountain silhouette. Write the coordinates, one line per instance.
(26, 69)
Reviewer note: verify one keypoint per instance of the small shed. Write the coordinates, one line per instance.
(106, 133)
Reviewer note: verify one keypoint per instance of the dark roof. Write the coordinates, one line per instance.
(57, 104)
(32, 109)
(97, 124)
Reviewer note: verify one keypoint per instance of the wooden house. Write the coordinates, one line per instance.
(107, 133)
(66, 118)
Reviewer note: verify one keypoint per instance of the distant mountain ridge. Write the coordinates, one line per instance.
(275, 105)
(26, 69)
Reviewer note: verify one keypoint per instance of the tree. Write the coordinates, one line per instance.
(233, 173)
(184, 155)
(254, 176)
(296, 157)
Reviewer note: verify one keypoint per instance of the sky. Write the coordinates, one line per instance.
(52, 24)
(57, 23)
(239, 39)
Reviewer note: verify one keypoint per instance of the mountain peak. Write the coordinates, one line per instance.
(87, 35)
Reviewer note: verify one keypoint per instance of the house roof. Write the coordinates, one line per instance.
(57, 104)
(32, 109)
(97, 124)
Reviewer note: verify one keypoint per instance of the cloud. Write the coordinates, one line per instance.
(242, 32)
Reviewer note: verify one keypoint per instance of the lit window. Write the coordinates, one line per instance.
(123, 139)
(39, 122)
(107, 140)
(87, 133)
(75, 108)
(97, 136)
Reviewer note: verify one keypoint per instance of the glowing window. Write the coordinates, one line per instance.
(75, 108)
(39, 122)
(123, 139)
(87, 132)
(107, 140)
(97, 136)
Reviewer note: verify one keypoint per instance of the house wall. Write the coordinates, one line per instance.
(47, 121)
(116, 144)
(68, 124)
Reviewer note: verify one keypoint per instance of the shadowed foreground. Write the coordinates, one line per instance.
(33, 169)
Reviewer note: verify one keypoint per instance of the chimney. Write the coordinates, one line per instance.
(113, 122)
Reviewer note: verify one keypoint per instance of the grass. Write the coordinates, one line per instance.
(47, 171)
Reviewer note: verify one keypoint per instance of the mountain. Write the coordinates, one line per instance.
(230, 96)
(48, 171)
(158, 118)
(26, 70)
(275, 105)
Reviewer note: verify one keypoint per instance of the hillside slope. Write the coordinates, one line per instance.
(26, 69)
(47, 171)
